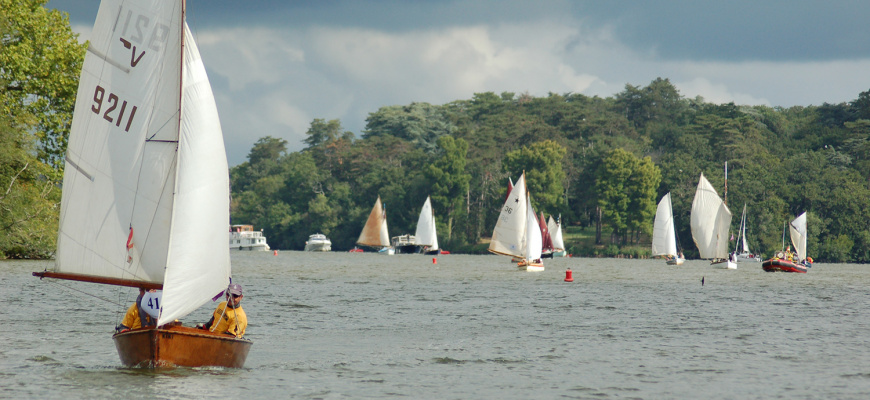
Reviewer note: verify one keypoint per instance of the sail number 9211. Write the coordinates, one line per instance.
(112, 113)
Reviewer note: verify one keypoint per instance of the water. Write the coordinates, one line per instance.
(339, 325)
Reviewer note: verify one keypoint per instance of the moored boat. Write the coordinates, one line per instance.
(244, 237)
(318, 242)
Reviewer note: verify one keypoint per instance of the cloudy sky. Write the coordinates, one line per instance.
(275, 65)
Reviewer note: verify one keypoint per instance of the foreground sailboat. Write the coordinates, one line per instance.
(786, 260)
(146, 190)
(744, 254)
(711, 221)
(517, 232)
(375, 233)
(664, 241)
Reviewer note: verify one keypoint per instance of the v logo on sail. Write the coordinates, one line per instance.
(133, 59)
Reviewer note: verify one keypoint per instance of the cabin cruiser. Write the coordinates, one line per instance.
(243, 237)
(318, 242)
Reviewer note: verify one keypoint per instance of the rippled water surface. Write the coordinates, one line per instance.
(339, 325)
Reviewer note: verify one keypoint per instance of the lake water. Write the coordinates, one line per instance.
(340, 325)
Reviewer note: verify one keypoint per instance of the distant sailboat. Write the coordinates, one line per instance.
(146, 193)
(375, 233)
(664, 241)
(426, 234)
(711, 221)
(517, 232)
(745, 254)
(555, 228)
(786, 260)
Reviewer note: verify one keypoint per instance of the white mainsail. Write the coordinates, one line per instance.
(425, 234)
(375, 233)
(743, 231)
(509, 234)
(664, 241)
(555, 228)
(710, 222)
(798, 232)
(146, 184)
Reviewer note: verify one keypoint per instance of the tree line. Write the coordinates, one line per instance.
(600, 163)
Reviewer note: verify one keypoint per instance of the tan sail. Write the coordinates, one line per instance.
(374, 233)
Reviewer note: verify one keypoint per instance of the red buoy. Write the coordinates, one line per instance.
(275, 253)
(434, 260)
(568, 277)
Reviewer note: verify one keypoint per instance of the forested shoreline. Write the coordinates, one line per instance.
(600, 163)
(597, 162)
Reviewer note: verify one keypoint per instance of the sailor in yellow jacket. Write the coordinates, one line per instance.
(229, 314)
(134, 318)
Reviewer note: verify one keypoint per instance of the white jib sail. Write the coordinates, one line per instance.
(509, 234)
(664, 241)
(534, 241)
(198, 266)
(555, 229)
(425, 234)
(710, 221)
(797, 229)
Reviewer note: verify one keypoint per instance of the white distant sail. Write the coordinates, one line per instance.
(710, 222)
(798, 232)
(146, 187)
(425, 234)
(664, 242)
(555, 229)
(509, 234)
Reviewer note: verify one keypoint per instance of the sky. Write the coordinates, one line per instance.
(276, 65)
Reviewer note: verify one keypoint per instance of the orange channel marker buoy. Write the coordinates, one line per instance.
(568, 277)
(434, 260)
(275, 253)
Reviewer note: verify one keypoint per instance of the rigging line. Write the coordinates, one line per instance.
(83, 292)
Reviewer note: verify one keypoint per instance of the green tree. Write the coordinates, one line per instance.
(40, 62)
(626, 188)
(28, 200)
(324, 132)
(419, 123)
(448, 179)
(542, 162)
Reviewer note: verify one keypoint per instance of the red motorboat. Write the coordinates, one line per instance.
(784, 265)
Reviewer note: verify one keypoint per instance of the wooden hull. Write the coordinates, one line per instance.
(780, 265)
(180, 346)
(530, 266)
